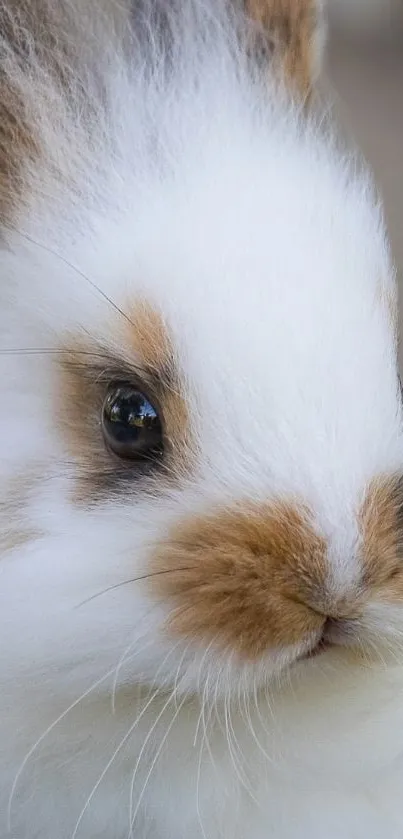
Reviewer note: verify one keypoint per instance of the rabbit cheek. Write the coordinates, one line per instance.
(244, 580)
(16, 527)
(17, 146)
(381, 522)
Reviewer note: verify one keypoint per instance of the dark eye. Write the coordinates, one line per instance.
(130, 423)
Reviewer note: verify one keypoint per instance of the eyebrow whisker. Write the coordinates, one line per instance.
(51, 351)
(73, 267)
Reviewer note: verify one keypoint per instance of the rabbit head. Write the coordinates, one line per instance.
(201, 430)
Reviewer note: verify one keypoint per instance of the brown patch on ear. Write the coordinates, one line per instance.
(147, 360)
(292, 30)
(17, 144)
(248, 578)
(28, 27)
(44, 41)
(382, 538)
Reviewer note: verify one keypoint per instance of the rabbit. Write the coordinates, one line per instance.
(201, 578)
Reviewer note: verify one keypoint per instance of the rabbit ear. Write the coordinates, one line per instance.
(22, 24)
(293, 32)
(16, 139)
(38, 54)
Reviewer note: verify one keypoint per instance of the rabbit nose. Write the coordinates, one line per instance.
(332, 631)
(338, 630)
(332, 635)
(335, 632)
(335, 609)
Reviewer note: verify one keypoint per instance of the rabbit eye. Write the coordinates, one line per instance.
(131, 425)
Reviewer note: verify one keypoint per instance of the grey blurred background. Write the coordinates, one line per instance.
(364, 75)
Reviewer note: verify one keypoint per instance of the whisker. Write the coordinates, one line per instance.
(208, 721)
(157, 756)
(243, 702)
(150, 698)
(203, 744)
(133, 580)
(261, 720)
(111, 761)
(203, 658)
(120, 665)
(154, 725)
(178, 671)
(199, 765)
(52, 252)
(250, 723)
(163, 663)
(215, 706)
(45, 734)
(51, 351)
(233, 745)
(238, 753)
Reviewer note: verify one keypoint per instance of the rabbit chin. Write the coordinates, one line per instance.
(85, 617)
(87, 613)
(206, 673)
(71, 635)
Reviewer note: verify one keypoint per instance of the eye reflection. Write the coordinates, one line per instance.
(131, 424)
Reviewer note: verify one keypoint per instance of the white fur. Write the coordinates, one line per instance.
(264, 249)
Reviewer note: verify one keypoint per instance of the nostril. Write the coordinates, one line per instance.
(339, 631)
(329, 626)
(336, 632)
(333, 630)
(323, 641)
(329, 636)
(331, 633)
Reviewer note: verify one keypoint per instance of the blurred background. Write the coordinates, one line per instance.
(364, 76)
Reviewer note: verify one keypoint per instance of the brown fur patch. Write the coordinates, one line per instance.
(149, 336)
(15, 528)
(49, 41)
(84, 373)
(381, 523)
(152, 343)
(291, 29)
(389, 300)
(15, 537)
(251, 578)
(17, 142)
(35, 33)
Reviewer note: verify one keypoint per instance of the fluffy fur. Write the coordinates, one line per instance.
(164, 165)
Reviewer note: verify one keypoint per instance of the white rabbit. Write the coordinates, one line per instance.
(201, 579)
